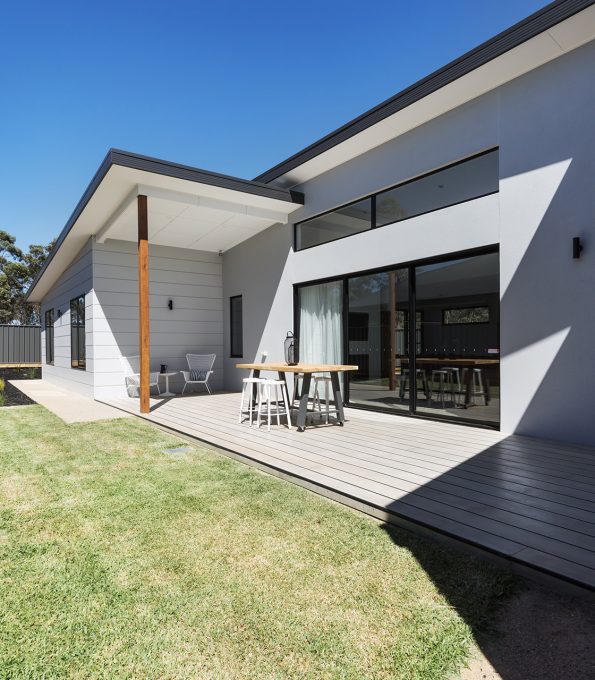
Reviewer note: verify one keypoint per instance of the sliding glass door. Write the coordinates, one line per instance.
(459, 355)
(425, 337)
(378, 337)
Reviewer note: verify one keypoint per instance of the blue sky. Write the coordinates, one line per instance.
(233, 87)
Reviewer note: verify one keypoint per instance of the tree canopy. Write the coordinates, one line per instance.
(18, 269)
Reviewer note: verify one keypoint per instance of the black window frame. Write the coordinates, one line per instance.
(373, 196)
(76, 362)
(233, 353)
(414, 338)
(49, 336)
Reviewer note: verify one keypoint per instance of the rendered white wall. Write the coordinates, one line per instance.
(192, 279)
(547, 196)
(75, 280)
(542, 123)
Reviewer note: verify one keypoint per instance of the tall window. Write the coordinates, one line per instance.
(49, 336)
(77, 332)
(235, 326)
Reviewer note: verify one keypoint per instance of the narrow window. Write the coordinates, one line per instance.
(49, 337)
(465, 315)
(77, 332)
(235, 326)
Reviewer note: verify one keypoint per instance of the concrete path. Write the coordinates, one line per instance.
(69, 406)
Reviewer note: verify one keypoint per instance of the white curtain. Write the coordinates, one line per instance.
(321, 311)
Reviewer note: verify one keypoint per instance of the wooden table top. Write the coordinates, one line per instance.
(299, 368)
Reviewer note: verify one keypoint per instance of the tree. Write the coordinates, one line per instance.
(17, 272)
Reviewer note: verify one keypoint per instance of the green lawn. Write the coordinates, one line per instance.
(120, 561)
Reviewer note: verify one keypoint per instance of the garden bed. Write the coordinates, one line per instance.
(9, 394)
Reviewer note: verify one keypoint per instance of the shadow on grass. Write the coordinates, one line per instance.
(523, 630)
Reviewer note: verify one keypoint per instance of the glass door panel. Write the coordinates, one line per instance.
(378, 338)
(458, 354)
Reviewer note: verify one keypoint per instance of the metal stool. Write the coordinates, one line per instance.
(477, 386)
(249, 385)
(454, 380)
(404, 381)
(442, 376)
(265, 389)
(326, 379)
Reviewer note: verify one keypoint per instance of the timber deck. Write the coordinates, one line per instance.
(527, 500)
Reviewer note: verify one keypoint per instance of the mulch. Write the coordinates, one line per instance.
(14, 396)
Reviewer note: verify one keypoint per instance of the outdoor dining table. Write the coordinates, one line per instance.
(308, 371)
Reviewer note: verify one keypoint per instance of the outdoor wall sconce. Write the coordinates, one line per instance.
(170, 304)
(577, 247)
(59, 313)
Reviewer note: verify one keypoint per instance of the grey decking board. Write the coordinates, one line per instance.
(448, 507)
(473, 521)
(302, 440)
(570, 491)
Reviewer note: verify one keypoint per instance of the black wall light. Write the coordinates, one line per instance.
(170, 304)
(577, 247)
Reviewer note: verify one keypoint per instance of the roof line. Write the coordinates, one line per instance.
(512, 37)
(128, 159)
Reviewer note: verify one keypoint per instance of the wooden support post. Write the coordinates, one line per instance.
(392, 345)
(143, 303)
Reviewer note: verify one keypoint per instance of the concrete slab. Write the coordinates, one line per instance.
(69, 406)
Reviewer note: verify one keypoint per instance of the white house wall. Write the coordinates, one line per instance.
(191, 279)
(542, 123)
(76, 280)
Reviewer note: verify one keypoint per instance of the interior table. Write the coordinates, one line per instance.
(308, 370)
(468, 362)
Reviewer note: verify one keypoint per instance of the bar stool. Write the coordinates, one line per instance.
(454, 380)
(250, 384)
(326, 380)
(439, 375)
(404, 381)
(265, 389)
(477, 386)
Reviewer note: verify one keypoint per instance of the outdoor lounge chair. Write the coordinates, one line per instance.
(131, 367)
(200, 369)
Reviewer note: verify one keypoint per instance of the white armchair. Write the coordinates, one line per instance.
(200, 370)
(131, 366)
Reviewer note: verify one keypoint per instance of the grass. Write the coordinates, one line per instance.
(120, 561)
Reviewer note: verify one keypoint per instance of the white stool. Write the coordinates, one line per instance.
(326, 379)
(248, 385)
(477, 387)
(265, 389)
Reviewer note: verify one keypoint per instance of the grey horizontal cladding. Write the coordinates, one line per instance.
(130, 160)
(524, 30)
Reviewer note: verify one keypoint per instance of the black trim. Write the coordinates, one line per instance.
(231, 327)
(373, 196)
(48, 327)
(80, 365)
(516, 35)
(410, 265)
(128, 159)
